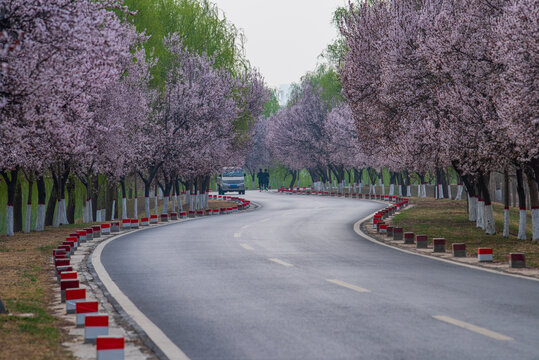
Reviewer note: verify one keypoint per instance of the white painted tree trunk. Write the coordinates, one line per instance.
(174, 200)
(506, 222)
(459, 193)
(160, 194)
(135, 208)
(480, 211)
(408, 190)
(40, 218)
(9, 221)
(400, 190)
(61, 216)
(180, 205)
(391, 189)
(165, 205)
(418, 190)
(440, 191)
(113, 209)
(383, 188)
(90, 211)
(147, 206)
(472, 208)
(28, 218)
(124, 208)
(522, 225)
(85, 213)
(449, 194)
(103, 214)
(488, 220)
(98, 216)
(424, 186)
(436, 192)
(156, 205)
(535, 224)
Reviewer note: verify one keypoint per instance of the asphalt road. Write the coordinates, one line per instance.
(292, 280)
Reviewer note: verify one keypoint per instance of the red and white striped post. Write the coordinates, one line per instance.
(110, 348)
(164, 217)
(517, 260)
(105, 229)
(61, 269)
(126, 224)
(397, 233)
(408, 237)
(438, 244)
(459, 249)
(183, 215)
(145, 221)
(97, 231)
(67, 284)
(484, 255)
(115, 226)
(89, 233)
(173, 216)
(154, 219)
(68, 275)
(94, 326)
(215, 211)
(73, 296)
(421, 242)
(84, 308)
(82, 235)
(134, 223)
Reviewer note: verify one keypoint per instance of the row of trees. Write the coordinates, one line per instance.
(85, 98)
(426, 85)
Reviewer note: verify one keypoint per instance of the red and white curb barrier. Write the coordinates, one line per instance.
(484, 254)
(110, 348)
(94, 326)
(73, 296)
(84, 308)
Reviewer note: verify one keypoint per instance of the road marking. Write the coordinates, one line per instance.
(245, 226)
(347, 285)
(246, 247)
(280, 262)
(237, 235)
(471, 327)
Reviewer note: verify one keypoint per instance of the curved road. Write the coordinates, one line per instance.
(292, 280)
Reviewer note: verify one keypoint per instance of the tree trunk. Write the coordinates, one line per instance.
(71, 200)
(41, 199)
(124, 198)
(488, 213)
(17, 208)
(534, 203)
(506, 203)
(294, 175)
(522, 204)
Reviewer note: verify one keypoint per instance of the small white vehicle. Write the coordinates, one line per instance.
(231, 179)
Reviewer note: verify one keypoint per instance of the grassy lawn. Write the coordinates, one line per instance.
(449, 219)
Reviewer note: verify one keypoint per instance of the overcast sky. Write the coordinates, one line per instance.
(284, 37)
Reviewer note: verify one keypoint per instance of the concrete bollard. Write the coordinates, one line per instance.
(459, 249)
(74, 240)
(60, 269)
(192, 213)
(173, 216)
(115, 226)
(215, 211)
(59, 252)
(408, 237)
(67, 284)
(105, 229)
(94, 326)
(154, 219)
(83, 308)
(164, 217)
(183, 215)
(126, 224)
(438, 244)
(134, 223)
(145, 222)
(389, 231)
(61, 262)
(110, 348)
(484, 255)
(68, 275)
(97, 231)
(200, 212)
(89, 233)
(382, 229)
(82, 235)
(517, 260)
(73, 296)
(397, 233)
(421, 242)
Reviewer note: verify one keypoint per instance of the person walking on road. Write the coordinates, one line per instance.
(260, 176)
(266, 179)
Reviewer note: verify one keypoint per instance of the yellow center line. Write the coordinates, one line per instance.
(280, 262)
(474, 328)
(347, 285)
(237, 235)
(246, 247)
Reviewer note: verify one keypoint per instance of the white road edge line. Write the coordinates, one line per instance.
(347, 285)
(358, 231)
(158, 337)
(284, 263)
(237, 235)
(247, 247)
(474, 328)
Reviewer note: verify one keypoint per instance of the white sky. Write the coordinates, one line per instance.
(284, 37)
